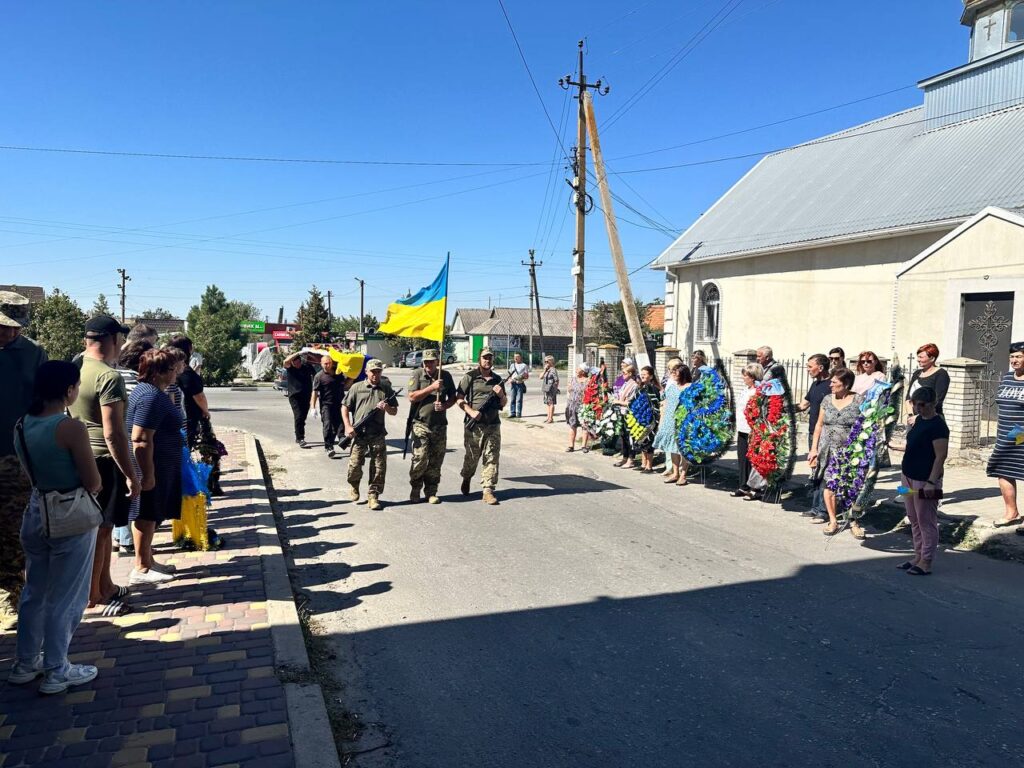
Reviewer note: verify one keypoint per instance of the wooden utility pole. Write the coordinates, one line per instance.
(534, 303)
(124, 281)
(362, 287)
(636, 335)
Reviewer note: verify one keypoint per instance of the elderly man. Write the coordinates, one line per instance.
(431, 393)
(20, 357)
(772, 368)
(365, 404)
(481, 396)
(329, 389)
(101, 407)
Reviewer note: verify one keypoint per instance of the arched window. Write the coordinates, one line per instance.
(709, 314)
(1015, 29)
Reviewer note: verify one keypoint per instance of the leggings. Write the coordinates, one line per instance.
(627, 444)
(924, 521)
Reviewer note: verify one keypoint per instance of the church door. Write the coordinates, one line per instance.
(987, 327)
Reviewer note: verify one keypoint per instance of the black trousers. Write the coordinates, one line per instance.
(742, 439)
(300, 410)
(330, 416)
(627, 444)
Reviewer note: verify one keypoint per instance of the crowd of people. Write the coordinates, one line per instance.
(101, 440)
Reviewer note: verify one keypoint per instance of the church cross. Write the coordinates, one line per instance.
(990, 26)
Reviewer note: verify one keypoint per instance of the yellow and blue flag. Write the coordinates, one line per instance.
(420, 316)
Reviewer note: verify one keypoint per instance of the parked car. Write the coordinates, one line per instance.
(450, 358)
(412, 359)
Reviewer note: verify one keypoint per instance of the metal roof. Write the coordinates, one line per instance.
(516, 322)
(886, 176)
(33, 293)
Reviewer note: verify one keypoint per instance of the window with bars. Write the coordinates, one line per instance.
(709, 314)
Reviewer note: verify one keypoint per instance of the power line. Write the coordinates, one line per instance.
(256, 159)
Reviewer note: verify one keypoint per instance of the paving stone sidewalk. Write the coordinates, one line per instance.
(187, 679)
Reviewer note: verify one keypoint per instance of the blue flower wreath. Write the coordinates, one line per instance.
(704, 423)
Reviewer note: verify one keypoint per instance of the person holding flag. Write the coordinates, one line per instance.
(431, 394)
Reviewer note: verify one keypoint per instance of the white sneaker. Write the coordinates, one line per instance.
(152, 576)
(164, 568)
(21, 674)
(76, 674)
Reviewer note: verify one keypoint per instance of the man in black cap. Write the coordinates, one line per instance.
(101, 406)
(20, 357)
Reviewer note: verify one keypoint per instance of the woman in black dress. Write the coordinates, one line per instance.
(928, 374)
(1007, 461)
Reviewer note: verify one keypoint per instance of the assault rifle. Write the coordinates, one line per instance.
(360, 426)
(491, 400)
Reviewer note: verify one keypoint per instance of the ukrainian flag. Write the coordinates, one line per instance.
(420, 316)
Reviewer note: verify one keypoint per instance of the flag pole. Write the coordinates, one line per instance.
(444, 317)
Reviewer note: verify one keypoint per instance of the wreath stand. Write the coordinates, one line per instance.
(772, 494)
(697, 474)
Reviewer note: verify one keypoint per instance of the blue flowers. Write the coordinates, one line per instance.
(704, 422)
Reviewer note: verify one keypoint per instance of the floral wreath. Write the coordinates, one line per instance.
(770, 447)
(704, 421)
(610, 424)
(595, 401)
(854, 465)
(639, 417)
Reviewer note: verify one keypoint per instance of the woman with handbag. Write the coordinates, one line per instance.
(58, 532)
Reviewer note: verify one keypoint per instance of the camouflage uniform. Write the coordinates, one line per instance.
(482, 439)
(377, 450)
(430, 433)
(19, 360)
(362, 400)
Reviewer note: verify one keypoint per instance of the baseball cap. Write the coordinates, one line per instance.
(430, 354)
(486, 352)
(14, 310)
(104, 325)
(375, 365)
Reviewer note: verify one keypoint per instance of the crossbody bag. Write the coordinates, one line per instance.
(64, 513)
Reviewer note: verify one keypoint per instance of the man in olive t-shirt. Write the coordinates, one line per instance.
(101, 406)
(368, 399)
(431, 394)
(481, 396)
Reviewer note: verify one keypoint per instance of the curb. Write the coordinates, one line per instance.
(307, 714)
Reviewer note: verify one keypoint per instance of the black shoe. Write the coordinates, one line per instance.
(330, 453)
(303, 444)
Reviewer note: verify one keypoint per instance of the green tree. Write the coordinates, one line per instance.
(100, 307)
(343, 325)
(214, 327)
(156, 314)
(610, 322)
(58, 325)
(312, 319)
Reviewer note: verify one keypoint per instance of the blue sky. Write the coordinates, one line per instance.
(407, 82)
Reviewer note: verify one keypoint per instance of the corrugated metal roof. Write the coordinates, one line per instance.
(516, 322)
(885, 175)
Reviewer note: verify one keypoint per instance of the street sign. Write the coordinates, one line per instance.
(351, 335)
(253, 326)
(282, 335)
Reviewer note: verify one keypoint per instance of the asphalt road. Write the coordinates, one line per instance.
(600, 618)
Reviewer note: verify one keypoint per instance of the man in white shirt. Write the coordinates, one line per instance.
(520, 372)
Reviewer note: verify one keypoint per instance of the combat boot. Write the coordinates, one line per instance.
(353, 494)
(465, 486)
(414, 496)
(489, 497)
(372, 502)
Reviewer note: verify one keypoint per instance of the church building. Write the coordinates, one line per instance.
(905, 230)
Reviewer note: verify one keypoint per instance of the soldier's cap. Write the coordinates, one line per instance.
(486, 352)
(14, 310)
(430, 354)
(104, 325)
(375, 365)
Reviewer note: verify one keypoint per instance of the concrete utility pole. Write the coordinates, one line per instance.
(362, 287)
(579, 184)
(534, 303)
(636, 335)
(330, 315)
(124, 281)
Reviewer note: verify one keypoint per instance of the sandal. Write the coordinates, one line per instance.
(585, 449)
(120, 593)
(671, 479)
(681, 483)
(916, 570)
(831, 529)
(858, 532)
(110, 610)
(905, 566)
(627, 465)
(1007, 523)
(619, 463)
(570, 449)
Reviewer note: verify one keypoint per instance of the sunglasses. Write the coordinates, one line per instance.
(836, 358)
(866, 360)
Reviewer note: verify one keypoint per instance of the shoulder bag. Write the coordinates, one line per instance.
(64, 513)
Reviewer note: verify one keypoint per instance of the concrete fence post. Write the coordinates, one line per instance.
(963, 404)
(661, 357)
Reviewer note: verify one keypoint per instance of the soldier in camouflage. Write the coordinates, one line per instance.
(483, 424)
(20, 358)
(375, 396)
(431, 394)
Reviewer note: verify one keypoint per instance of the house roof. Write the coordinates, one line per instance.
(516, 322)
(990, 212)
(173, 325)
(655, 317)
(33, 293)
(884, 177)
